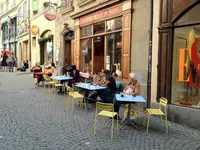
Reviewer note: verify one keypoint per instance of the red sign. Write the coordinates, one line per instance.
(101, 14)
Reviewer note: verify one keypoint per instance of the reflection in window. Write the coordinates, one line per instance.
(49, 52)
(86, 49)
(99, 28)
(86, 31)
(182, 91)
(190, 16)
(114, 47)
(114, 24)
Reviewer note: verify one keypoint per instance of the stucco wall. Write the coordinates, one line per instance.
(155, 50)
(140, 41)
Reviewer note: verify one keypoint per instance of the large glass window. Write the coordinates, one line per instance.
(114, 47)
(99, 28)
(186, 59)
(86, 31)
(114, 24)
(86, 55)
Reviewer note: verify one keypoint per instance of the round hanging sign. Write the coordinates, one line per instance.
(50, 13)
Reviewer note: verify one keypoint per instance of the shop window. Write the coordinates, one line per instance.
(86, 55)
(86, 31)
(114, 24)
(99, 28)
(186, 59)
(114, 49)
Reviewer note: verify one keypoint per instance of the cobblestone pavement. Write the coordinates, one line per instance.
(34, 119)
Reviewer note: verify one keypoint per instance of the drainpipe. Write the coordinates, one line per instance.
(29, 32)
(150, 55)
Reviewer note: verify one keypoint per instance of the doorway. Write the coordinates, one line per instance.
(68, 53)
(98, 55)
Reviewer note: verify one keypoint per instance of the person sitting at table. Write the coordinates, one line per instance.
(132, 88)
(75, 75)
(53, 69)
(97, 79)
(37, 68)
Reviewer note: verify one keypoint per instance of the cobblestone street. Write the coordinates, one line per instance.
(34, 119)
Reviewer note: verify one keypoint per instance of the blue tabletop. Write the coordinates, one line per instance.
(130, 98)
(61, 78)
(90, 87)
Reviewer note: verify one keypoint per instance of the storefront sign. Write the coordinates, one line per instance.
(35, 30)
(50, 13)
(189, 63)
(101, 14)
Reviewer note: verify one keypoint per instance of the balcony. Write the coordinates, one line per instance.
(67, 6)
(84, 2)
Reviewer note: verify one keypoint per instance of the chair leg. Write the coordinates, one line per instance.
(95, 125)
(144, 122)
(148, 123)
(162, 120)
(85, 103)
(117, 121)
(73, 105)
(166, 124)
(112, 128)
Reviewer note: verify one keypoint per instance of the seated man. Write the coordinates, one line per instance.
(24, 67)
(132, 88)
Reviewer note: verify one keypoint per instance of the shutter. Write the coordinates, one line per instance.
(126, 46)
(34, 5)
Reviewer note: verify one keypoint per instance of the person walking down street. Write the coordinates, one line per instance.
(4, 62)
(11, 62)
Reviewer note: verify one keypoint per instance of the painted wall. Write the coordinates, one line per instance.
(155, 50)
(140, 41)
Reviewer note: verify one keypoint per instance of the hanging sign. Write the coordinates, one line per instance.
(35, 30)
(49, 13)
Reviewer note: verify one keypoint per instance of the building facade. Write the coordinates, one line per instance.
(178, 60)
(8, 19)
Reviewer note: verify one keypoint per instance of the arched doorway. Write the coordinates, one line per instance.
(46, 47)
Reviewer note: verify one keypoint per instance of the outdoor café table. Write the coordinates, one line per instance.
(89, 87)
(129, 99)
(61, 78)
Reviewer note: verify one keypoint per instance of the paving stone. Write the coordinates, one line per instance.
(35, 119)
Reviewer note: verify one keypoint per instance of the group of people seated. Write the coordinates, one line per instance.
(104, 78)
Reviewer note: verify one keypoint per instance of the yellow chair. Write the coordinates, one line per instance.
(158, 112)
(106, 110)
(75, 95)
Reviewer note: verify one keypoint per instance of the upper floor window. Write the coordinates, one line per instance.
(35, 6)
(7, 4)
(67, 4)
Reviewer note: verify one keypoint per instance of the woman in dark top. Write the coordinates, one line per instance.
(4, 61)
(108, 94)
(75, 74)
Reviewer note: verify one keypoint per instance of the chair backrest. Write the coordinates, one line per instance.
(104, 106)
(163, 102)
(85, 76)
(46, 78)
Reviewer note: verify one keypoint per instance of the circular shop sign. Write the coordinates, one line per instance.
(50, 13)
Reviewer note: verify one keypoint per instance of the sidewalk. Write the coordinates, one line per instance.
(32, 118)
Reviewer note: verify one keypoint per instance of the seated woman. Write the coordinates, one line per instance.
(53, 69)
(132, 88)
(75, 75)
(35, 69)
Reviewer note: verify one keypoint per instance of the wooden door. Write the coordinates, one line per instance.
(68, 53)
(126, 46)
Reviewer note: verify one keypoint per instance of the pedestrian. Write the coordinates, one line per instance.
(4, 62)
(11, 62)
